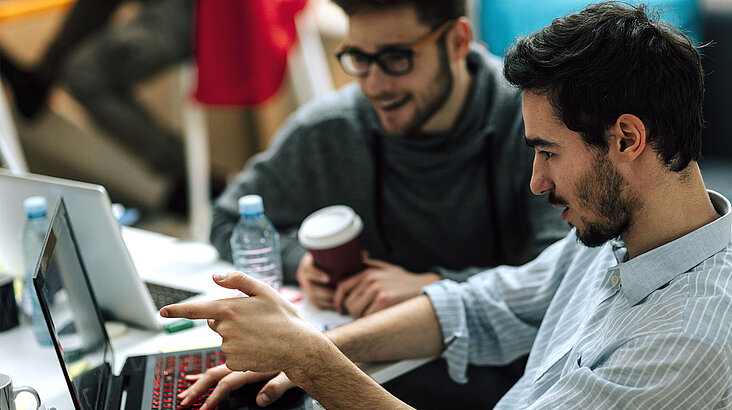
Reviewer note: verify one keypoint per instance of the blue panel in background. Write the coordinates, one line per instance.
(501, 21)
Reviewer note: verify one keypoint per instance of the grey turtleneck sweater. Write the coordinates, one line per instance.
(453, 203)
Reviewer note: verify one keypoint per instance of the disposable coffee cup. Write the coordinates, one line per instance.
(333, 237)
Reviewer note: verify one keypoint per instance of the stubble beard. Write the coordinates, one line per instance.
(602, 191)
(443, 83)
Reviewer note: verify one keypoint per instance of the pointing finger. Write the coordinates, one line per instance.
(192, 310)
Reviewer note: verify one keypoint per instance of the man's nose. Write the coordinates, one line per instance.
(376, 80)
(541, 182)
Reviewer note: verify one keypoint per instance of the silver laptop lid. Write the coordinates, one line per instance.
(117, 285)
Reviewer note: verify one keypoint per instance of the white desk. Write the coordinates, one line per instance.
(160, 257)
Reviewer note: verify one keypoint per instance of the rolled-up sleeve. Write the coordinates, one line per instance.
(451, 314)
(493, 318)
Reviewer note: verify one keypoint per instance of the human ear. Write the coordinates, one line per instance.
(629, 134)
(459, 38)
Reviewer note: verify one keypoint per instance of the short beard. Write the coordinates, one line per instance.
(412, 130)
(602, 191)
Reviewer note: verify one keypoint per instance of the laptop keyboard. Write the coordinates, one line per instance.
(166, 295)
(170, 372)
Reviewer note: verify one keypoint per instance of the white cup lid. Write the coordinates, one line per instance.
(329, 227)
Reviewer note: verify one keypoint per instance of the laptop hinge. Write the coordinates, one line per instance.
(113, 394)
(133, 381)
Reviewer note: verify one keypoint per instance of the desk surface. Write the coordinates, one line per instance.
(37, 366)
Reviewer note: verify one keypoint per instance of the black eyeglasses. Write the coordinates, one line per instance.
(392, 61)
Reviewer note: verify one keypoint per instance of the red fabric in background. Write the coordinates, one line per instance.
(241, 48)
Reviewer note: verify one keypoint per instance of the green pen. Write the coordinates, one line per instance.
(178, 325)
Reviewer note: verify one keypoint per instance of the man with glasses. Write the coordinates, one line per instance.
(426, 146)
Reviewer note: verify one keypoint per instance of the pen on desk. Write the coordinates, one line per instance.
(328, 326)
(178, 325)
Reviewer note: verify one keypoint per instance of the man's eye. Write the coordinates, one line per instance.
(546, 154)
(359, 59)
(391, 57)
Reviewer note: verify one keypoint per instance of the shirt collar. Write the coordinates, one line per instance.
(643, 274)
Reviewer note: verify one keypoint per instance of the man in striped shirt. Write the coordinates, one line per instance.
(633, 309)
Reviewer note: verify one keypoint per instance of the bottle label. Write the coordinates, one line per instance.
(258, 263)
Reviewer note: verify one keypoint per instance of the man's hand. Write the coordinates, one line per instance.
(262, 332)
(378, 286)
(227, 381)
(314, 282)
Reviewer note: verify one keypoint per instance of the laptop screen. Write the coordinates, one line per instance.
(72, 314)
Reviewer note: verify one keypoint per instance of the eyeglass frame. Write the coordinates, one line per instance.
(409, 52)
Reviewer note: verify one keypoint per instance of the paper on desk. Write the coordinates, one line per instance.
(323, 319)
(153, 252)
(197, 338)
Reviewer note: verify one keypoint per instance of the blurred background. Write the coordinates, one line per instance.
(64, 140)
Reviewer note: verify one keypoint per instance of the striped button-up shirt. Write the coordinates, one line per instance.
(604, 331)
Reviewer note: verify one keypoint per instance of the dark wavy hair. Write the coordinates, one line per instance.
(429, 12)
(611, 59)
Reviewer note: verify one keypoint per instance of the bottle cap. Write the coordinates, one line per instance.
(250, 205)
(35, 206)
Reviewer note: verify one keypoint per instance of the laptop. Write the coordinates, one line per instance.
(84, 350)
(122, 293)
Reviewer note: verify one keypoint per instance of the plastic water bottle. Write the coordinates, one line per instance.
(34, 231)
(255, 243)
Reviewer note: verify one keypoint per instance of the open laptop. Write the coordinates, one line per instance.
(84, 349)
(121, 292)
